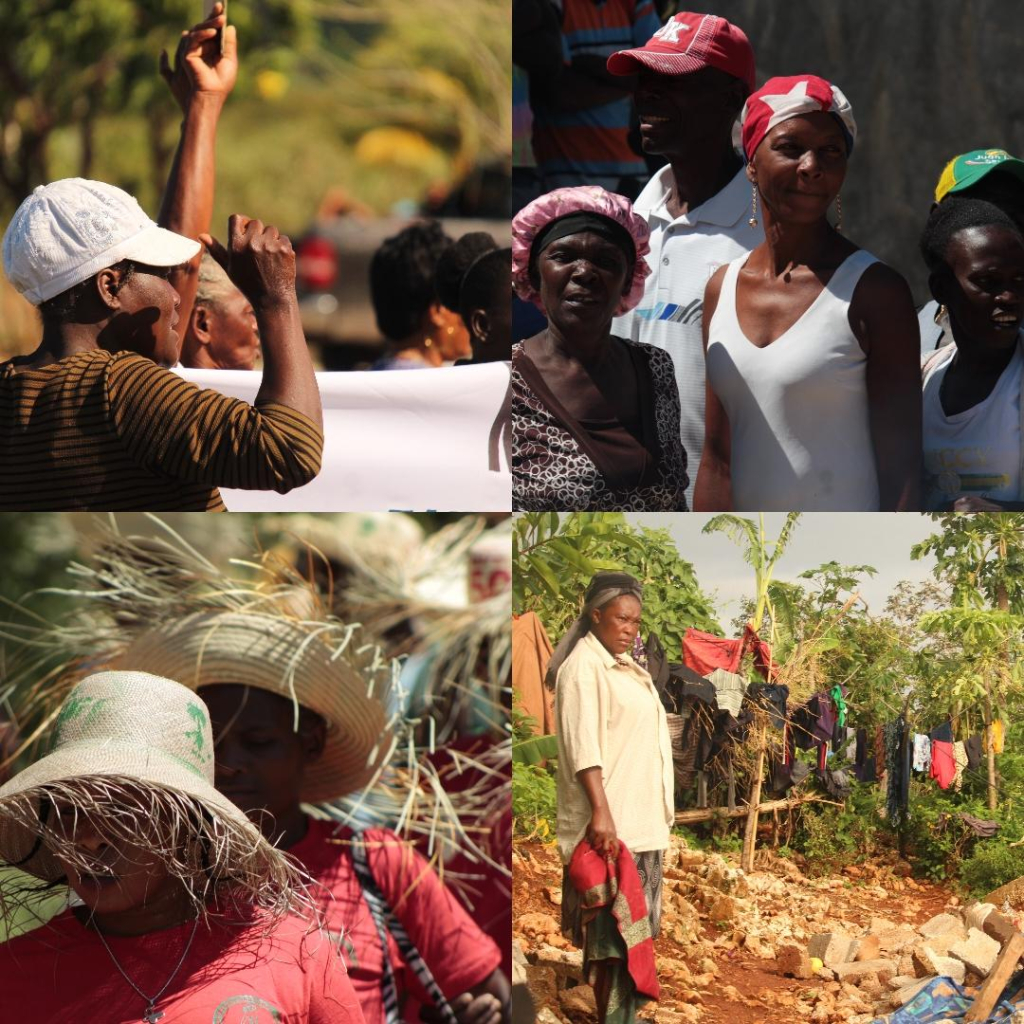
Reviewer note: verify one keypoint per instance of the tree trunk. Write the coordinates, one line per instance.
(989, 751)
(754, 806)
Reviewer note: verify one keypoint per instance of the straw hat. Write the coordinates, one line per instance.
(124, 728)
(281, 655)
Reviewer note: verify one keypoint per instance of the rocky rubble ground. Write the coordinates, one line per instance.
(770, 945)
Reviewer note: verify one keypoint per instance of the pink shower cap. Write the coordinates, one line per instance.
(532, 219)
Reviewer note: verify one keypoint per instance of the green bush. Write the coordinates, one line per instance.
(830, 837)
(991, 865)
(534, 806)
(936, 841)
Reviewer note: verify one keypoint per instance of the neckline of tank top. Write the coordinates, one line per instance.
(796, 323)
(979, 408)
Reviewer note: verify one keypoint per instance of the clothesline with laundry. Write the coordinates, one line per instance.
(711, 706)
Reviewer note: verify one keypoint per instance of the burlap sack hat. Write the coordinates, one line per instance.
(126, 740)
(286, 657)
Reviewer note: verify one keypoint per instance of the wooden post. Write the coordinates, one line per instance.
(754, 802)
(992, 989)
(699, 814)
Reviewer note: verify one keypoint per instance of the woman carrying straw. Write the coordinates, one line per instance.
(186, 911)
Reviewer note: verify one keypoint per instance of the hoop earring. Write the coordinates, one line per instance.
(753, 206)
(839, 213)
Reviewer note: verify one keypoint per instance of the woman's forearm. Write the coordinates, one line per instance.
(593, 785)
(288, 375)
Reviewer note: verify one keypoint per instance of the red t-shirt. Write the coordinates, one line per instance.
(231, 975)
(457, 952)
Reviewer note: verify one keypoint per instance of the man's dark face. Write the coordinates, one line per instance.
(261, 759)
(680, 112)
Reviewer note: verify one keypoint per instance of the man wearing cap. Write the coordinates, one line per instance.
(581, 122)
(991, 175)
(694, 75)
(91, 420)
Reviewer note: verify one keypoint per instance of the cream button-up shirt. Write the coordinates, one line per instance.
(610, 716)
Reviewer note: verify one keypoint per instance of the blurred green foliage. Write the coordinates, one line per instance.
(554, 559)
(80, 94)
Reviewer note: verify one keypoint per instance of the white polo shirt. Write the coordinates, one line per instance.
(685, 253)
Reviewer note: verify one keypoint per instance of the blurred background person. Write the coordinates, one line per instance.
(484, 306)
(222, 332)
(423, 332)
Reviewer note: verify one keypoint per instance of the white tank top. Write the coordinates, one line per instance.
(975, 452)
(798, 409)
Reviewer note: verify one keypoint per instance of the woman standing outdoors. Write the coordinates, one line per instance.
(595, 418)
(813, 396)
(973, 450)
(615, 782)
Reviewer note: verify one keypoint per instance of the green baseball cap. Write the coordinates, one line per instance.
(969, 168)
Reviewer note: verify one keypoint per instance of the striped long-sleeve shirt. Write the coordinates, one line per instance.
(103, 432)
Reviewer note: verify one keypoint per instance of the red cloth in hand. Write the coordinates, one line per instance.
(602, 882)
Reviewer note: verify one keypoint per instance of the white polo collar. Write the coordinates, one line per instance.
(724, 209)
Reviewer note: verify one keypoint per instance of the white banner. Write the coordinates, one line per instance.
(408, 440)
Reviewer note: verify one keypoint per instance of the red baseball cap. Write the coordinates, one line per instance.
(687, 43)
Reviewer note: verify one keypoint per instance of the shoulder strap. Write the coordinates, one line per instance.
(386, 920)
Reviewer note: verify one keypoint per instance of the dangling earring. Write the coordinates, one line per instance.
(427, 342)
(753, 206)
(450, 331)
(839, 213)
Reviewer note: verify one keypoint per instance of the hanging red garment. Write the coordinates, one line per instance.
(704, 652)
(943, 763)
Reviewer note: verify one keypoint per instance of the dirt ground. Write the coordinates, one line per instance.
(746, 989)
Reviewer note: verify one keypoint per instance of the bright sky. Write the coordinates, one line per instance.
(881, 539)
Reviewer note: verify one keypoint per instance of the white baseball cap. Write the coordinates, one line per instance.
(71, 229)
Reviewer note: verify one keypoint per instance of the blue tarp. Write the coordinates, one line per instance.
(942, 999)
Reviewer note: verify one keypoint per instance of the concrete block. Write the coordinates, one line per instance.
(943, 924)
(832, 948)
(978, 952)
(882, 969)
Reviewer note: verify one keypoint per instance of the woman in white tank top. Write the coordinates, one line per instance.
(813, 380)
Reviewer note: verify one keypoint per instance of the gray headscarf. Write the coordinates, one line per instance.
(604, 587)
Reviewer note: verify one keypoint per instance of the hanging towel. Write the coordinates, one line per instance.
(995, 734)
(943, 763)
(729, 690)
(974, 755)
(960, 760)
(922, 753)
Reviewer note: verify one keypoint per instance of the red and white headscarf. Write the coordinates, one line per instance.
(779, 99)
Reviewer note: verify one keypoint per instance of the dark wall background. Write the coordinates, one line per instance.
(927, 79)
